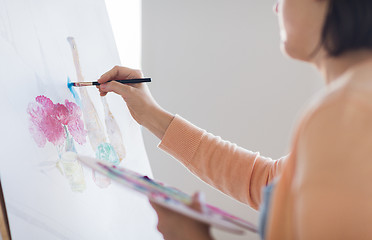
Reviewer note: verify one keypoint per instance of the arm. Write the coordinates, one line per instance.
(233, 170)
(334, 172)
(237, 172)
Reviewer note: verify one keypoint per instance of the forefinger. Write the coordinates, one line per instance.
(116, 73)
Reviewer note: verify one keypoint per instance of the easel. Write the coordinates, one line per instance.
(4, 224)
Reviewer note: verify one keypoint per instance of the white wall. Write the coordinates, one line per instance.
(218, 64)
(125, 19)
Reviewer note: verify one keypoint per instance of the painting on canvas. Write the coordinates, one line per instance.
(45, 122)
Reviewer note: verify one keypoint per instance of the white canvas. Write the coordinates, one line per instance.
(47, 194)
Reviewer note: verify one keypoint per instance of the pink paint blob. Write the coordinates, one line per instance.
(61, 112)
(75, 124)
(53, 130)
(37, 113)
(76, 128)
(48, 121)
(46, 103)
(38, 135)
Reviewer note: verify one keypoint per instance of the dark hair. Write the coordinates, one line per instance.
(348, 26)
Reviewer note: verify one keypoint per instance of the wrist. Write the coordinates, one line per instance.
(158, 121)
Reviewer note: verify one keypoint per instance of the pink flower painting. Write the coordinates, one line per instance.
(61, 125)
(53, 122)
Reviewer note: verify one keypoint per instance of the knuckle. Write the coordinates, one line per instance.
(104, 75)
(160, 228)
(110, 85)
(116, 67)
(130, 90)
(115, 84)
(115, 71)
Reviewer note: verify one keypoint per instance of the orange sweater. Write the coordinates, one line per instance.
(323, 189)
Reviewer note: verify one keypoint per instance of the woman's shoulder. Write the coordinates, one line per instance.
(347, 103)
(343, 106)
(349, 96)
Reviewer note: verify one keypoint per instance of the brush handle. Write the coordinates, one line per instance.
(137, 80)
(86, 84)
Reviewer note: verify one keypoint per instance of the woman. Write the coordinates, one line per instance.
(320, 190)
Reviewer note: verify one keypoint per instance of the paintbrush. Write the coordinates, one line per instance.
(86, 84)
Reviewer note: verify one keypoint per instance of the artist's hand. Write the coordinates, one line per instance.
(175, 226)
(142, 106)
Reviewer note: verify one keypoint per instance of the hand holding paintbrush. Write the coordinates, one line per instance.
(142, 106)
(126, 81)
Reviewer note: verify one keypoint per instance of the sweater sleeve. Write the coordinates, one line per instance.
(231, 169)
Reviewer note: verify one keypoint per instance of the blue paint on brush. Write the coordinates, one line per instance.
(73, 92)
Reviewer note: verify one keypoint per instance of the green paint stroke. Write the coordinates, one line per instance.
(106, 152)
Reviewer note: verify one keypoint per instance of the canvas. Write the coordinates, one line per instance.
(44, 124)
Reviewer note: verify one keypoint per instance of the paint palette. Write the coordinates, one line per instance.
(169, 197)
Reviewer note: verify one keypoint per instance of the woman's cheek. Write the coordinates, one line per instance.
(288, 31)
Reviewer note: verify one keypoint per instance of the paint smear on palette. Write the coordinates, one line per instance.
(73, 92)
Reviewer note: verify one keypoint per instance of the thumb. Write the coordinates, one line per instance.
(116, 87)
(198, 202)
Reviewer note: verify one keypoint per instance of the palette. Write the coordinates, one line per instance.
(169, 197)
